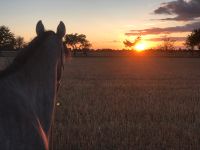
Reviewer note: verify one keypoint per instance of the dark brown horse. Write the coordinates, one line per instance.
(28, 89)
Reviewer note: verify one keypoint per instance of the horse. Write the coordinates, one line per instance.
(28, 89)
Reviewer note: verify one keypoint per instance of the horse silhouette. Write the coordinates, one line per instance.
(28, 89)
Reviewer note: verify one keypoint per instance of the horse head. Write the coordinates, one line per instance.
(60, 47)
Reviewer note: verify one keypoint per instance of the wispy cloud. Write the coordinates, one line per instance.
(177, 39)
(168, 30)
(184, 10)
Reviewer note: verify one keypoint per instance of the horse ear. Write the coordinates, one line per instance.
(39, 28)
(61, 30)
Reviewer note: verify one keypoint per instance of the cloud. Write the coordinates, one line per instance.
(184, 10)
(168, 30)
(177, 39)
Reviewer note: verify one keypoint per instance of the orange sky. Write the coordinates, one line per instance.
(105, 22)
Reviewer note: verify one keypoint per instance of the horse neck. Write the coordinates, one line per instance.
(38, 78)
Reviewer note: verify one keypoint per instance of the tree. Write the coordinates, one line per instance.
(77, 42)
(7, 39)
(130, 44)
(86, 45)
(193, 40)
(167, 44)
(19, 42)
(71, 40)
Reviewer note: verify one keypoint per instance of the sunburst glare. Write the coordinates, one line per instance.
(141, 46)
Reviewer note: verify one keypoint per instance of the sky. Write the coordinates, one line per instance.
(106, 23)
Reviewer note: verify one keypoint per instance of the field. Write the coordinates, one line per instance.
(129, 103)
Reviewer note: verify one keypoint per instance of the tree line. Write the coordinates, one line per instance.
(75, 42)
(79, 43)
(192, 42)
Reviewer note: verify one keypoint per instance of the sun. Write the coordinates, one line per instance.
(140, 46)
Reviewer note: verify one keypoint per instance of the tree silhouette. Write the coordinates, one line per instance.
(130, 44)
(193, 40)
(19, 42)
(86, 45)
(7, 39)
(167, 44)
(77, 42)
(71, 40)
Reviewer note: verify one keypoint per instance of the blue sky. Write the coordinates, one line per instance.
(105, 22)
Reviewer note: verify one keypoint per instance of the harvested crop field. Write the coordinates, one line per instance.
(129, 104)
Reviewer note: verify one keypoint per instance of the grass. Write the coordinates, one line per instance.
(129, 103)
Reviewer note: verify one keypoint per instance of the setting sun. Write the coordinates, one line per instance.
(140, 47)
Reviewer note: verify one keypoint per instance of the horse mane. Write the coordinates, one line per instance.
(25, 54)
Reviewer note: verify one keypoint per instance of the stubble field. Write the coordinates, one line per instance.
(129, 104)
